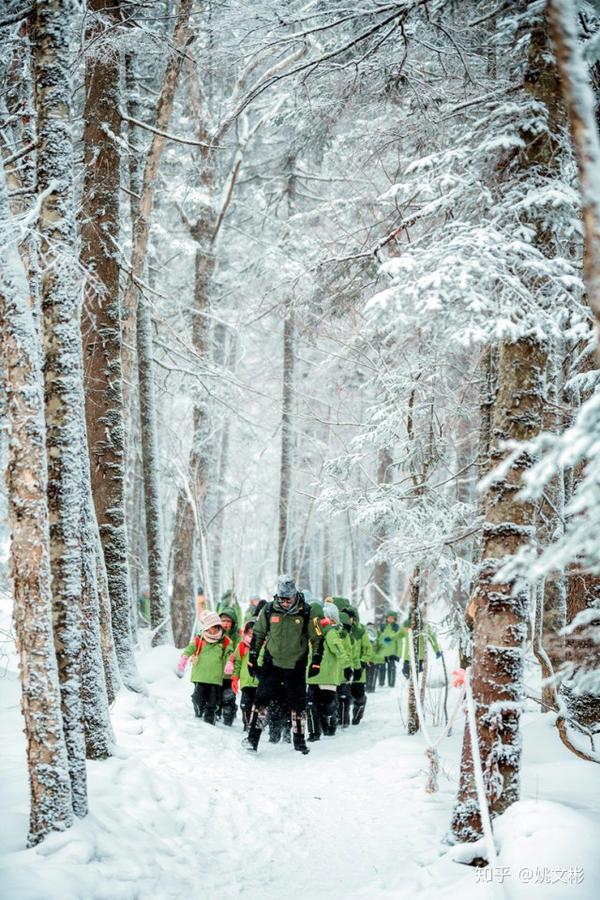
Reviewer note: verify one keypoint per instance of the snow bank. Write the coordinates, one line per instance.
(182, 810)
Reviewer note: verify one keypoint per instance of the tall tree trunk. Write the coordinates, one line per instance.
(26, 481)
(99, 737)
(102, 325)
(500, 619)
(414, 619)
(159, 605)
(51, 42)
(202, 232)
(501, 616)
(183, 593)
(285, 472)
(141, 226)
(381, 570)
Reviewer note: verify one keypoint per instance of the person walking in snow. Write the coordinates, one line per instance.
(284, 629)
(378, 659)
(322, 702)
(362, 658)
(344, 693)
(209, 652)
(391, 636)
(227, 706)
(243, 683)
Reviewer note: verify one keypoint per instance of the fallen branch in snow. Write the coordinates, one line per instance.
(562, 725)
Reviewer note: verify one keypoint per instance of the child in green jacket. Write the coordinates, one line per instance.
(209, 652)
(362, 657)
(321, 707)
(377, 658)
(390, 637)
(242, 679)
(346, 671)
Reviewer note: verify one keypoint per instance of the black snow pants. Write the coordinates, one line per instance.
(321, 712)
(205, 700)
(359, 701)
(246, 704)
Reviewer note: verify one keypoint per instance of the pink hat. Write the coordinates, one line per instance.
(208, 620)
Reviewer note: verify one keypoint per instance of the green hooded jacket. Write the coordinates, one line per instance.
(361, 649)
(240, 666)
(391, 636)
(334, 654)
(228, 604)
(234, 633)
(210, 661)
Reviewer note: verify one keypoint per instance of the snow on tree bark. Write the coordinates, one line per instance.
(99, 737)
(285, 473)
(159, 606)
(501, 617)
(382, 570)
(501, 607)
(26, 480)
(102, 323)
(51, 41)
(141, 226)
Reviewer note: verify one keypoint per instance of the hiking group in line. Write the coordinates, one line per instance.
(295, 666)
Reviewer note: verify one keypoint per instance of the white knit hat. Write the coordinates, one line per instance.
(208, 619)
(332, 612)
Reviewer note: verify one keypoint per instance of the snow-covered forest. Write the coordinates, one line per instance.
(305, 288)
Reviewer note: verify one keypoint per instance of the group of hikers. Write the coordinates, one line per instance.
(294, 665)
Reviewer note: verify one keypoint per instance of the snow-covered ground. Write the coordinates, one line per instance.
(182, 811)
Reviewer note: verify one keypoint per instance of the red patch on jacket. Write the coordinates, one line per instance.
(226, 642)
(243, 649)
(275, 619)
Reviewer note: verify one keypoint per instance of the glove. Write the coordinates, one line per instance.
(183, 661)
(314, 668)
(438, 654)
(347, 673)
(253, 665)
(356, 674)
(406, 668)
(395, 658)
(235, 684)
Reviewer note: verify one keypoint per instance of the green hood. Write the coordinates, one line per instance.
(230, 611)
(352, 611)
(341, 602)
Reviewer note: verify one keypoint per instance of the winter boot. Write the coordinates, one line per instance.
(228, 707)
(312, 715)
(359, 710)
(209, 715)
(258, 718)
(300, 744)
(298, 723)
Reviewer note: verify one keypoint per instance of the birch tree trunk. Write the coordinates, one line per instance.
(102, 327)
(51, 40)
(26, 481)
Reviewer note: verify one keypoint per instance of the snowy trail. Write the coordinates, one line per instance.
(183, 808)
